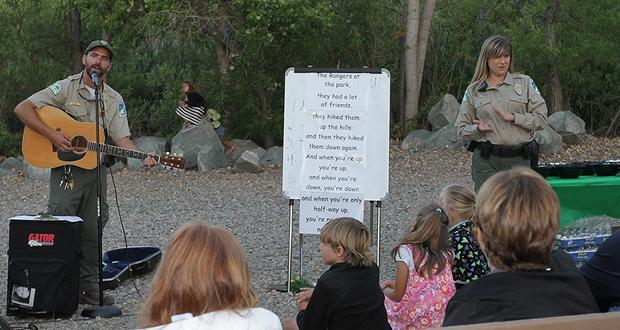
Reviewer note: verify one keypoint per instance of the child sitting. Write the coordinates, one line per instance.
(347, 296)
(417, 298)
(192, 107)
(214, 118)
(470, 263)
(516, 220)
(203, 282)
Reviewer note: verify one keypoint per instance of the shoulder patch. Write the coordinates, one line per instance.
(122, 109)
(464, 97)
(534, 86)
(55, 88)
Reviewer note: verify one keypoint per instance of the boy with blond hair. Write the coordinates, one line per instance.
(348, 295)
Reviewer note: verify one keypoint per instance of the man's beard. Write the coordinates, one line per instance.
(100, 72)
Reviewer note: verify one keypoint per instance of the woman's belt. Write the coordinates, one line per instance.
(526, 150)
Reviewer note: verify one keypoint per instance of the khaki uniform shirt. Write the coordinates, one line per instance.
(517, 94)
(72, 96)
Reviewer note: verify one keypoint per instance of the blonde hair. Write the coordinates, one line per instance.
(203, 270)
(428, 235)
(494, 46)
(517, 217)
(354, 238)
(460, 199)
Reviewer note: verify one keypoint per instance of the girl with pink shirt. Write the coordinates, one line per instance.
(417, 298)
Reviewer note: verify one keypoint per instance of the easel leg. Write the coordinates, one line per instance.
(372, 220)
(301, 255)
(291, 202)
(378, 232)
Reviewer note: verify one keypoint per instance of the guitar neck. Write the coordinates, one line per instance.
(118, 151)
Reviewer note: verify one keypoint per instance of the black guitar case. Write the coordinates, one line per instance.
(123, 262)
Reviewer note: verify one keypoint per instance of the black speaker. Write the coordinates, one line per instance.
(43, 270)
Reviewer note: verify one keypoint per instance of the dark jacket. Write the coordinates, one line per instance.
(346, 297)
(195, 100)
(602, 272)
(517, 295)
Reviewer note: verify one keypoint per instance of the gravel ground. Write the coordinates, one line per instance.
(154, 204)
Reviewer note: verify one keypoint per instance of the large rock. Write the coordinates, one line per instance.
(273, 157)
(212, 155)
(414, 139)
(248, 162)
(445, 137)
(444, 112)
(36, 173)
(188, 142)
(149, 144)
(11, 166)
(550, 141)
(569, 126)
(241, 146)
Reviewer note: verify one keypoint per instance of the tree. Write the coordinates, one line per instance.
(418, 28)
(557, 98)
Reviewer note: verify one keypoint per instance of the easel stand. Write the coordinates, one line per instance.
(111, 310)
(291, 203)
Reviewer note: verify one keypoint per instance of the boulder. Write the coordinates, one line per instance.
(117, 167)
(11, 166)
(444, 112)
(415, 138)
(550, 141)
(248, 162)
(149, 144)
(188, 142)
(36, 173)
(260, 152)
(210, 156)
(273, 157)
(445, 137)
(569, 126)
(241, 146)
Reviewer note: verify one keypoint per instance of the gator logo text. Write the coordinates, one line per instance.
(40, 239)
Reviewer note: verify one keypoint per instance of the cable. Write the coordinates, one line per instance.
(118, 208)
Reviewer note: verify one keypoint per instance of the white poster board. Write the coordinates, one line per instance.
(336, 142)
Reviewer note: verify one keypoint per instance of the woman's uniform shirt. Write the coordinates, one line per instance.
(516, 94)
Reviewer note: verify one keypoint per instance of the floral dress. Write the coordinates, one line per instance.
(469, 261)
(424, 303)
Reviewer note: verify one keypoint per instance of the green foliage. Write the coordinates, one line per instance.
(297, 283)
(160, 43)
(9, 142)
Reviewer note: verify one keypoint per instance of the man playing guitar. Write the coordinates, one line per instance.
(73, 189)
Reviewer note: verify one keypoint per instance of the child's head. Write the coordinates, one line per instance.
(349, 236)
(517, 218)
(428, 233)
(459, 202)
(188, 86)
(204, 269)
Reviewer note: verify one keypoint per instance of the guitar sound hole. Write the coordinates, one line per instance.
(79, 144)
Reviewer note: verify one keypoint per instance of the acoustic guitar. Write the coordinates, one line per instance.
(40, 152)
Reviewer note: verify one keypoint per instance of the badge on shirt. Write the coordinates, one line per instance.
(534, 86)
(122, 110)
(518, 89)
(55, 88)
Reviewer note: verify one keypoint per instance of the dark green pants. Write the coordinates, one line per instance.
(81, 201)
(482, 169)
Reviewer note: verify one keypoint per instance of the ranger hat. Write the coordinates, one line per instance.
(99, 43)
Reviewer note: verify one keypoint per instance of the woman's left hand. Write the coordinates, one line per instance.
(507, 116)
